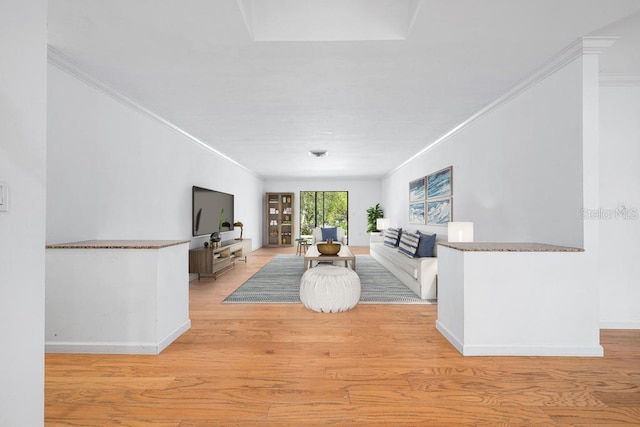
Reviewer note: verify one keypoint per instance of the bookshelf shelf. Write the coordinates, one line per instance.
(279, 219)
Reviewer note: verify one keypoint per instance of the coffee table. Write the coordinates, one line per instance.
(344, 255)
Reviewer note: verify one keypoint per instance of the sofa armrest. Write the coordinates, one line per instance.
(376, 237)
(316, 236)
(427, 274)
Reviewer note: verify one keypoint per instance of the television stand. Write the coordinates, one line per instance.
(212, 262)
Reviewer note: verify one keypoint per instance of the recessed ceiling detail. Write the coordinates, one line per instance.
(328, 20)
(196, 68)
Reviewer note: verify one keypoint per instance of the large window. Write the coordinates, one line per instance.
(323, 209)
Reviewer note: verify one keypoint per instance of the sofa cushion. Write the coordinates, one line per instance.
(418, 274)
(392, 237)
(425, 245)
(409, 244)
(409, 265)
(330, 233)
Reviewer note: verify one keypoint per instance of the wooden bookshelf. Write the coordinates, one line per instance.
(279, 219)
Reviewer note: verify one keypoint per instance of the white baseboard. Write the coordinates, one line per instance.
(543, 350)
(174, 335)
(518, 350)
(619, 325)
(101, 347)
(116, 347)
(455, 342)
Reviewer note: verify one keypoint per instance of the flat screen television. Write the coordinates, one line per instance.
(212, 211)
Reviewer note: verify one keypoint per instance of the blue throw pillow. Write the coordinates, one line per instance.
(329, 233)
(426, 244)
(409, 244)
(392, 237)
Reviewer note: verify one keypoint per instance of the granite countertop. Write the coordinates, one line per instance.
(118, 244)
(507, 247)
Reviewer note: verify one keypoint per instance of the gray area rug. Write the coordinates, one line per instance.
(279, 282)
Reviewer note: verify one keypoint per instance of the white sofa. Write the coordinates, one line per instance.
(317, 236)
(419, 274)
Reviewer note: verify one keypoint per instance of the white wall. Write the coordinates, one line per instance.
(116, 173)
(362, 195)
(619, 187)
(517, 170)
(23, 80)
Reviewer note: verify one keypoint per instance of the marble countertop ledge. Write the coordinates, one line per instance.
(507, 247)
(118, 244)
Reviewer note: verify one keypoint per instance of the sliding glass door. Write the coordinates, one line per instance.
(323, 209)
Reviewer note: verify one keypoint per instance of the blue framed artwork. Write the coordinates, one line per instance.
(416, 190)
(439, 184)
(439, 211)
(431, 198)
(416, 213)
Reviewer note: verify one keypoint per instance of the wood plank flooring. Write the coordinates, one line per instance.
(376, 365)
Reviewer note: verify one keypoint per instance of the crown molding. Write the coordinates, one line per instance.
(59, 60)
(582, 46)
(597, 44)
(614, 79)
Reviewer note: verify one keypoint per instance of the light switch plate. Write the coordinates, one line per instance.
(4, 196)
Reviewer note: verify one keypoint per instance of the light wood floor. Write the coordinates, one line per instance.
(376, 365)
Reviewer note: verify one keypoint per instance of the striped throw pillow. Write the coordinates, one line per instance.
(409, 244)
(392, 237)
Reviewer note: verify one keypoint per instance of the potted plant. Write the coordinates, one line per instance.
(373, 213)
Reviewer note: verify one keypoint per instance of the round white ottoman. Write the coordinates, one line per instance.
(330, 289)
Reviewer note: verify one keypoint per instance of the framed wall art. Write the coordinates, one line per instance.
(416, 190)
(416, 213)
(439, 184)
(431, 198)
(439, 211)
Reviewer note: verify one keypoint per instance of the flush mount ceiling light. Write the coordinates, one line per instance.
(318, 153)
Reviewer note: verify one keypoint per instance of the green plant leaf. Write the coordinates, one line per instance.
(373, 213)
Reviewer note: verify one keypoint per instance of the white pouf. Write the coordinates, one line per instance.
(330, 289)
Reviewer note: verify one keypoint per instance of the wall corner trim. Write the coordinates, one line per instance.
(59, 60)
(597, 44)
(614, 79)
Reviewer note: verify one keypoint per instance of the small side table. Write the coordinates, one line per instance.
(303, 245)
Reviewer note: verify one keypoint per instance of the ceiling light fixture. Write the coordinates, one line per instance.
(318, 153)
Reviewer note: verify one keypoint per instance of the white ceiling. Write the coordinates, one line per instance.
(371, 81)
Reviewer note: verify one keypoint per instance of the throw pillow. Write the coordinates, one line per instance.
(409, 244)
(392, 237)
(426, 244)
(329, 233)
